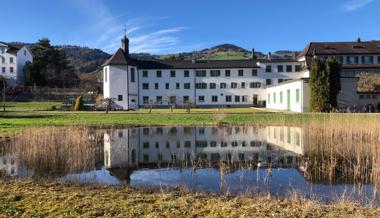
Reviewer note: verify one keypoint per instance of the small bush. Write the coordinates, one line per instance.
(78, 104)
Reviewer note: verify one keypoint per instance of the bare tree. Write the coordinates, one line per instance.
(108, 102)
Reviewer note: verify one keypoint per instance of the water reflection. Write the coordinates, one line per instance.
(274, 159)
(139, 147)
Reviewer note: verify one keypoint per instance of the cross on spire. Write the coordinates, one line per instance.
(125, 30)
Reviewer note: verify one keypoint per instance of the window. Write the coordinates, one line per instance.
(158, 73)
(11, 69)
(120, 97)
(3, 70)
(378, 59)
(233, 85)
(166, 85)
(280, 80)
(201, 85)
(281, 97)
(274, 98)
(223, 85)
(24, 53)
(255, 85)
(11, 60)
(201, 98)
(145, 73)
(241, 72)
(244, 98)
(243, 85)
(214, 98)
(215, 73)
(177, 86)
(186, 73)
(268, 81)
(268, 98)
(200, 73)
(289, 68)
(268, 69)
(145, 86)
(172, 73)
(297, 95)
(156, 86)
(298, 68)
(352, 59)
(237, 98)
(367, 59)
(227, 73)
(133, 79)
(145, 99)
(186, 86)
(185, 99)
(228, 98)
(3, 60)
(280, 68)
(145, 144)
(212, 85)
(105, 73)
(254, 72)
(159, 99)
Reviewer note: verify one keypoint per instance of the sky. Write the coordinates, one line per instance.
(171, 26)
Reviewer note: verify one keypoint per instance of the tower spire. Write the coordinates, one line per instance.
(125, 42)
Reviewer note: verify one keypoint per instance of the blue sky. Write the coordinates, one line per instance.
(168, 26)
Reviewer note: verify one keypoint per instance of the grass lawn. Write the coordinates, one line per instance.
(44, 199)
(36, 114)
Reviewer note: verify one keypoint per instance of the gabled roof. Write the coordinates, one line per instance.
(341, 48)
(14, 47)
(119, 58)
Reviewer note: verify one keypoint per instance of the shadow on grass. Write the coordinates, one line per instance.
(31, 116)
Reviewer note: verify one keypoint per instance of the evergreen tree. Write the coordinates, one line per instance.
(333, 67)
(49, 66)
(324, 84)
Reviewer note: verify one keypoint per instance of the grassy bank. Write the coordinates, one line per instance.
(37, 114)
(31, 199)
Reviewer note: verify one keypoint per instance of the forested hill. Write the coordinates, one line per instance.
(83, 59)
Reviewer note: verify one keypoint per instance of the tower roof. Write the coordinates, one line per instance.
(119, 58)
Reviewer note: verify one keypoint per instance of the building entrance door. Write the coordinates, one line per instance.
(255, 100)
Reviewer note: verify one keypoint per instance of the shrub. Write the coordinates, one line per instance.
(78, 104)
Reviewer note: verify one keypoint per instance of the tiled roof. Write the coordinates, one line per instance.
(341, 48)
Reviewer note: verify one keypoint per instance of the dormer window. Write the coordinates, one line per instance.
(358, 46)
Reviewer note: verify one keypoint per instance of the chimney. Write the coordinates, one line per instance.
(125, 45)
(269, 55)
(253, 54)
(358, 40)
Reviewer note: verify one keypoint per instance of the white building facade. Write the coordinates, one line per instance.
(216, 83)
(13, 58)
(277, 84)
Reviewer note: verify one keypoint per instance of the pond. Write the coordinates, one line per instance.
(320, 162)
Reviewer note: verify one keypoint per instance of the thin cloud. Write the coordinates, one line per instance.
(146, 34)
(354, 5)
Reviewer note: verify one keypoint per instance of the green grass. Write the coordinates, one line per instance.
(52, 199)
(37, 114)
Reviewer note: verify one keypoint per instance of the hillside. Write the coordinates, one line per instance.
(226, 52)
(83, 59)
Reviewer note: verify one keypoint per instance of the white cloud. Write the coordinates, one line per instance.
(353, 5)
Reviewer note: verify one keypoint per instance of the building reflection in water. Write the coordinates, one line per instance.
(140, 147)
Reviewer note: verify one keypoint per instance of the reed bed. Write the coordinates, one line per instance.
(52, 151)
(343, 151)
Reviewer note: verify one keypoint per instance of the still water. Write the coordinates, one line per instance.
(234, 159)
